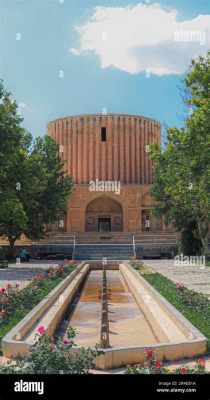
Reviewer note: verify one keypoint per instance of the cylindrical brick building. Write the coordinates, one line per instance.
(109, 151)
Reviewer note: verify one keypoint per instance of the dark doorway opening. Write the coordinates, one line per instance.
(104, 224)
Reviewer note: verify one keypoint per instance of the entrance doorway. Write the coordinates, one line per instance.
(104, 224)
(104, 214)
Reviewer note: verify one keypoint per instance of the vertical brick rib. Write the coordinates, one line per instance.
(85, 151)
(127, 151)
(97, 147)
(115, 130)
(74, 151)
(132, 153)
(122, 155)
(137, 149)
(109, 135)
(142, 151)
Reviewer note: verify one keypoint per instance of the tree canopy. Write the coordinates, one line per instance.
(33, 185)
(182, 170)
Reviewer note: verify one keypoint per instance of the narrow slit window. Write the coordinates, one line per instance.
(103, 134)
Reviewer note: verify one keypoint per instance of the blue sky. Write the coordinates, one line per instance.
(94, 77)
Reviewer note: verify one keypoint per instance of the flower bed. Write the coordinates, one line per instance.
(53, 356)
(152, 366)
(15, 303)
(194, 306)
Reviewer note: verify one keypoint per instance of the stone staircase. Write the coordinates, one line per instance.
(112, 245)
(98, 251)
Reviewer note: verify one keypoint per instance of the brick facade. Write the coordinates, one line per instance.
(119, 156)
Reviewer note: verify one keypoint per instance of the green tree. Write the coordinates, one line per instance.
(33, 185)
(182, 170)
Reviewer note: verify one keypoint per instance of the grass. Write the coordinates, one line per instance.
(34, 298)
(196, 311)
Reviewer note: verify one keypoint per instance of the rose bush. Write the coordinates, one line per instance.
(152, 366)
(15, 303)
(53, 356)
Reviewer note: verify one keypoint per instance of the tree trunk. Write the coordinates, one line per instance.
(203, 228)
(11, 247)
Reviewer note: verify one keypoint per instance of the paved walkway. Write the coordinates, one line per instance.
(194, 278)
(23, 273)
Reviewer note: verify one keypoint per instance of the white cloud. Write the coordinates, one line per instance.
(141, 37)
(74, 51)
(22, 105)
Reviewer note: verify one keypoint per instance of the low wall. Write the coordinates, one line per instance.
(48, 312)
(121, 356)
(192, 343)
(176, 336)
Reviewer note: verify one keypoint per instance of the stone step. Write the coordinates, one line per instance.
(95, 252)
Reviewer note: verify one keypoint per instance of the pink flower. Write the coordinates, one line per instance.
(41, 330)
(52, 346)
(65, 341)
(3, 313)
(201, 361)
(183, 370)
(17, 286)
(179, 285)
(5, 299)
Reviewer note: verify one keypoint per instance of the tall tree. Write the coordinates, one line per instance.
(33, 185)
(182, 170)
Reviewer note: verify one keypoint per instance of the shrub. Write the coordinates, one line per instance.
(15, 303)
(50, 356)
(152, 366)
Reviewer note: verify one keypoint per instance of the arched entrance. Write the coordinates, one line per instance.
(104, 214)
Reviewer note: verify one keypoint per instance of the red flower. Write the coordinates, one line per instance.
(3, 313)
(183, 370)
(65, 341)
(41, 330)
(5, 299)
(8, 286)
(17, 286)
(2, 291)
(149, 353)
(190, 298)
(158, 364)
